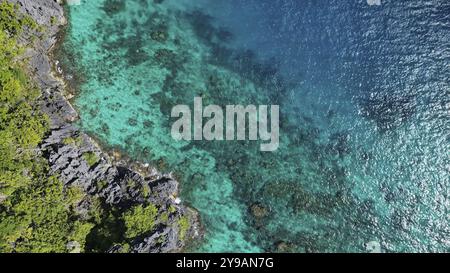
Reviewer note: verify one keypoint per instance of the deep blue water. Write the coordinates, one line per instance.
(384, 72)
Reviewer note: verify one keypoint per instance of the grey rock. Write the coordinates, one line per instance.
(164, 240)
(42, 11)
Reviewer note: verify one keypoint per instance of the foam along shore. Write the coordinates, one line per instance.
(80, 162)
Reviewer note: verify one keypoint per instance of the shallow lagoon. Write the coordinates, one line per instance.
(363, 161)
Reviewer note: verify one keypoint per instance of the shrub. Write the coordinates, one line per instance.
(183, 226)
(38, 219)
(80, 232)
(73, 141)
(101, 184)
(91, 158)
(140, 220)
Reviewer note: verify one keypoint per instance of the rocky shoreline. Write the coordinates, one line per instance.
(79, 160)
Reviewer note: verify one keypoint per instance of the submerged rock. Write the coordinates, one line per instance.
(388, 111)
(159, 36)
(113, 7)
(259, 211)
(284, 247)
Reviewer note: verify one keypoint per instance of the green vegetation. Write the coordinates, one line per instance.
(172, 209)
(37, 220)
(73, 141)
(124, 248)
(101, 184)
(183, 225)
(108, 232)
(11, 23)
(74, 195)
(79, 234)
(140, 220)
(145, 190)
(96, 212)
(131, 183)
(21, 126)
(53, 20)
(164, 217)
(91, 158)
(35, 213)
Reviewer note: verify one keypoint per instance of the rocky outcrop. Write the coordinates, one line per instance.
(76, 157)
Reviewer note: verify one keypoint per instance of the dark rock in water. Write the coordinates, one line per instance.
(165, 57)
(284, 247)
(388, 111)
(66, 147)
(159, 35)
(112, 7)
(202, 25)
(132, 122)
(135, 53)
(259, 211)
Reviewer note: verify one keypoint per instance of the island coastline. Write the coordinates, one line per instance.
(65, 156)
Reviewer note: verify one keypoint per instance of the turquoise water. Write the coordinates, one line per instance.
(364, 156)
